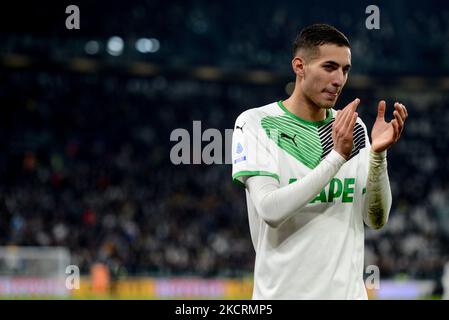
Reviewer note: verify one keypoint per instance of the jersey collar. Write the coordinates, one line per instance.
(309, 123)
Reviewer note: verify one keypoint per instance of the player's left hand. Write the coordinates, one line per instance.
(384, 134)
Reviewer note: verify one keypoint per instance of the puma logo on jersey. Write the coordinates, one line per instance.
(286, 136)
(241, 128)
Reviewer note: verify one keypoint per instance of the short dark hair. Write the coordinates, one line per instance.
(315, 35)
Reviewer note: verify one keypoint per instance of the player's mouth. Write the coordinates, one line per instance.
(331, 94)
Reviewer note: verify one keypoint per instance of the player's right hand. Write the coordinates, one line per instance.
(343, 127)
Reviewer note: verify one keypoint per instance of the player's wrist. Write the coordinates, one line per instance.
(341, 153)
(378, 159)
(336, 158)
(378, 155)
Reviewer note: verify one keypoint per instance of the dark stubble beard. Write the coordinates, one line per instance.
(312, 102)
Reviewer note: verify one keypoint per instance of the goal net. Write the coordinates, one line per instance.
(37, 271)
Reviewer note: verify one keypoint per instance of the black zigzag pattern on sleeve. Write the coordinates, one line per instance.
(325, 134)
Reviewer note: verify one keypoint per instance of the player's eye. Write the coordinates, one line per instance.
(329, 68)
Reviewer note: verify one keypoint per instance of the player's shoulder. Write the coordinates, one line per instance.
(253, 116)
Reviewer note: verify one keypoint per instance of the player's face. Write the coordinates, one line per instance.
(326, 75)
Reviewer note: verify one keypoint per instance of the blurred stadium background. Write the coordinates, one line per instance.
(86, 117)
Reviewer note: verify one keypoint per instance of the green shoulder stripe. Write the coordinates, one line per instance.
(300, 140)
(239, 174)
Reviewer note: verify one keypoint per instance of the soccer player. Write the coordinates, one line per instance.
(312, 177)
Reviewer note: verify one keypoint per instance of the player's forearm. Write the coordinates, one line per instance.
(277, 204)
(378, 193)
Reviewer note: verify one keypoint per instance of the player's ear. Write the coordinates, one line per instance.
(298, 64)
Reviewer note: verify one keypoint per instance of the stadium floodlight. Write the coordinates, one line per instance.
(115, 46)
(156, 45)
(144, 45)
(147, 45)
(92, 47)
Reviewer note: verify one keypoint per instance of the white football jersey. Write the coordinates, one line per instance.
(319, 252)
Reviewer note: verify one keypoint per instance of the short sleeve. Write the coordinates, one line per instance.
(253, 154)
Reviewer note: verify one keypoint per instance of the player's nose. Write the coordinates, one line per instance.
(338, 79)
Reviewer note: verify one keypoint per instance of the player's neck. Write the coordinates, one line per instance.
(304, 108)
